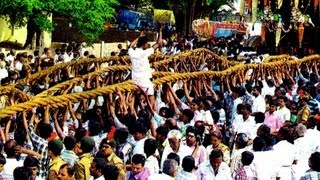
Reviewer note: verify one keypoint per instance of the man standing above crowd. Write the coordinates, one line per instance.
(141, 71)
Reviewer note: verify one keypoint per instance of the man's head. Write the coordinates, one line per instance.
(33, 164)
(2, 162)
(188, 163)
(107, 147)
(263, 130)
(45, 130)
(272, 107)
(247, 158)
(162, 133)
(170, 167)
(174, 137)
(282, 100)
(186, 115)
(216, 138)
(139, 131)
(54, 148)
(256, 91)
(215, 158)
(258, 144)
(69, 142)
(142, 42)
(66, 172)
(97, 166)
(21, 173)
(150, 147)
(241, 141)
(191, 133)
(86, 145)
(314, 161)
(138, 161)
(9, 148)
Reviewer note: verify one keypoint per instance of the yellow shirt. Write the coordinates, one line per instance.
(82, 167)
(114, 160)
(54, 167)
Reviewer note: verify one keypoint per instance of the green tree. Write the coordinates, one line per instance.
(87, 16)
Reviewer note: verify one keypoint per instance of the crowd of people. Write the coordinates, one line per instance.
(265, 127)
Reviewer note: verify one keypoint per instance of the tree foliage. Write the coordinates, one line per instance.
(87, 16)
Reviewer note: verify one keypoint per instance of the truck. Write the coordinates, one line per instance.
(133, 20)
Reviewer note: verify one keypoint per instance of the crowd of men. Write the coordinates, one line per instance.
(266, 127)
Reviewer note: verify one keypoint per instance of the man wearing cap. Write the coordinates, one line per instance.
(107, 147)
(54, 149)
(82, 168)
(174, 138)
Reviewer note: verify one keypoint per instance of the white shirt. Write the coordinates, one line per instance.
(141, 71)
(18, 66)
(284, 113)
(285, 154)
(152, 165)
(264, 163)
(99, 178)
(206, 172)
(184, 175)
(266, 90)
(10, 59)
(183, 152)
(139, 148)
(259, 104)
(247, 126)
(160, 176)
(9, 167)
(303, 150)
(3, 73)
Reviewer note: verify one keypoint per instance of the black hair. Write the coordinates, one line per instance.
(174, 156)
(215, 154)
(215, 116)
(2, 159)
(150, 147)
(9, 148)
(31, 161)
(140, 128)
(242, 140)
(259, 117)
(69, 142)
(80, 133)
(45, 130)
(247, 158)
(192, 129)
(138, 159)
(142, 41)
(100, 163)
(121, 135)
(69, 167)
(315, 161)
(258, 144)
(265, 129)
(110, 172)
(21, 173)
(258, 88)
(188, 163)
(188, 113)
(163, 131)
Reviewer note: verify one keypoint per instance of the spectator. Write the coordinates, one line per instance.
(54, 150)
(188, 165)
(138, 171)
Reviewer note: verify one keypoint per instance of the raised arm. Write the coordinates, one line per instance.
(134, 42)
(159, 40)
(57, 126)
